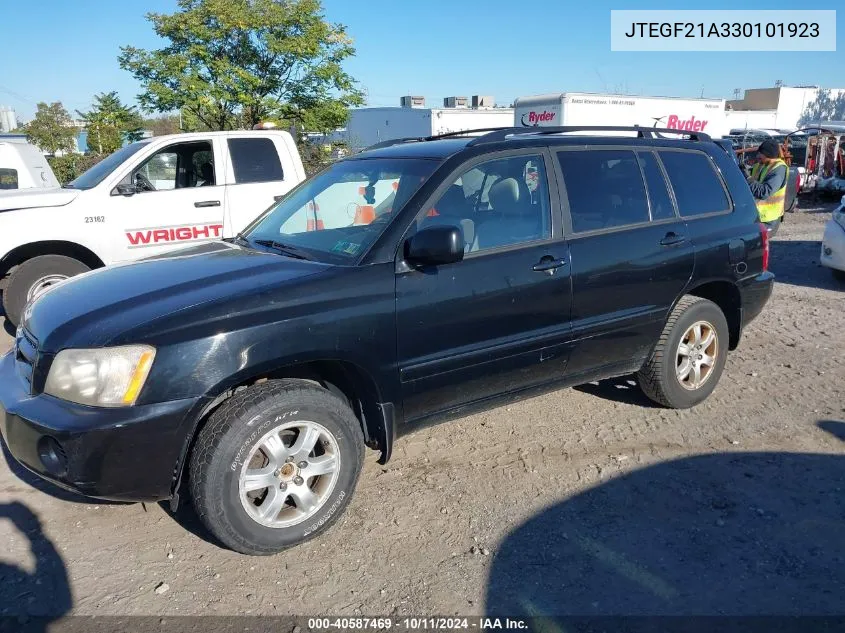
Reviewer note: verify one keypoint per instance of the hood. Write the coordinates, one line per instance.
(32, 198)
(134, 301)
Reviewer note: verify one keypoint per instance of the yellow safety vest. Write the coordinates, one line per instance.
(772, 207)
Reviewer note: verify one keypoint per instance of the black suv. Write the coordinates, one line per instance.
(400, 286)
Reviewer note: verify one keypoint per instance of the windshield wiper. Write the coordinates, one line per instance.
(285, 249)
(68, 186)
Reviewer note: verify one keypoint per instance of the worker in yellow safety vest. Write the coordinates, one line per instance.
(767, 181)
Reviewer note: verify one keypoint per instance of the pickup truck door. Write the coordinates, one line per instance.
(498, 321)
(178, 201)
(259, 171)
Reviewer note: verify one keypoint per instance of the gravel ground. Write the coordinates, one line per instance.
(585, 501)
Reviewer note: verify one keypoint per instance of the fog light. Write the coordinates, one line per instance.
(53, 456)
(827, 251)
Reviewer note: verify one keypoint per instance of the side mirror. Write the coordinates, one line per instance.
(435, 246)
(126, 189)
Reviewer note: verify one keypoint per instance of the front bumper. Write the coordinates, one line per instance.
(833, 246)
(124, 454)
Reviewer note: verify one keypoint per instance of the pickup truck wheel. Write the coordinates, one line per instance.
(838, 274)
(34, 277)
(685, 365)
(275, 465)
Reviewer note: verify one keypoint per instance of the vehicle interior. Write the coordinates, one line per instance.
(177, 166)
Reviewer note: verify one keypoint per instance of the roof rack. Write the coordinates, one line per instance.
(494, 134)
(642, 132)
(419, 139)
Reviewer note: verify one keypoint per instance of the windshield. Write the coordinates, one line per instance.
(337, 215)
(101, 170)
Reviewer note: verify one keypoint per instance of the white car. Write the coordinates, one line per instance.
(23, 166)
(833, 243)
(147, 198)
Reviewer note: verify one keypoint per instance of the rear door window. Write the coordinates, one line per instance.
(698, 187)
(255, 160)
(605, 188)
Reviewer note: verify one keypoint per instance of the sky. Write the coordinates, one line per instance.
(68, 51)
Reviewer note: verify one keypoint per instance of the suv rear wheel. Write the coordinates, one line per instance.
(687, 362)
(34, 277)
(275, 465)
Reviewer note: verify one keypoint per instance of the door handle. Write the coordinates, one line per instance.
(672, 238)
(549, 265)
(207, 203)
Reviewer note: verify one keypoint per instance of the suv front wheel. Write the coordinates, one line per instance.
(687, 362)
(275, 465)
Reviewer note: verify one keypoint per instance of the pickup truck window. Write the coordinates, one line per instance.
(605, 189)
(177, 166)
(101, 170)
(255, 160)
(8, 178)
(337, 215)
(698, 188)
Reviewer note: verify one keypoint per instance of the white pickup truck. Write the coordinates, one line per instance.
(147, 198)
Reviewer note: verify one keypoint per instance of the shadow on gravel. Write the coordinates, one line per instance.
(43, 594)
(721, 534)
(797, 263)
(622, 389)
(45, 486)
(186, 517)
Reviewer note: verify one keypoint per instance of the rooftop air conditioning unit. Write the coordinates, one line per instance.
(483, 101)
(413, 102)
(455, 102)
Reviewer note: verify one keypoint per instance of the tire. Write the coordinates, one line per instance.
(228, 446)
(793, 205)
(839, 275)
(35, 271)
(659, 377)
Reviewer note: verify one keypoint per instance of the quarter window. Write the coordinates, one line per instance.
(604, 187)
(661, 201)
(8, 178)
(698, 188)
(255, 160)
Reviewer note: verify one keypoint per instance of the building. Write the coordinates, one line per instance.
(778, 108)
(8, 119)
(368, 126)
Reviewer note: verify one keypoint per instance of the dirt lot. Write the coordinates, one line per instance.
(585, 501)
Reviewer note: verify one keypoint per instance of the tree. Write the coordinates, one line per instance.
(52, 129)
(234, 63)
(110, 123)
(824, 108)
(161, 125)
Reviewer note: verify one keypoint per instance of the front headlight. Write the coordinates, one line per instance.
(107, 377)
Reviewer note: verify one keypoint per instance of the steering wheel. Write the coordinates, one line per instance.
(143, 183)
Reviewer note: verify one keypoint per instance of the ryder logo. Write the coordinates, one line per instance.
(690, 125)
(533, 118)
(139, 238)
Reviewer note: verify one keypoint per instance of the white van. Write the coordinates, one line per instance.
(23, 166)
(147, 198)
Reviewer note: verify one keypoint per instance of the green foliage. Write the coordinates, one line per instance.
(51, 129)
(70, 166)
(233, 63)
(110, 123)
(824, 108)
(161, 125)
